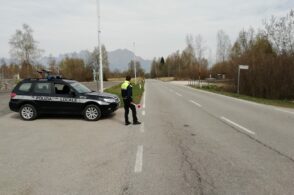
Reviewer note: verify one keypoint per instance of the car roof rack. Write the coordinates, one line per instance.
(49, 78)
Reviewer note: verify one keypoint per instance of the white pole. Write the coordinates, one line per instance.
(100, 48)
(135, 67)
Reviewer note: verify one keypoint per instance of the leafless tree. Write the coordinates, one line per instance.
(23, 46)
(223, 46)
(95, 61)
(52, 65)
(200, 47)
(280, 31)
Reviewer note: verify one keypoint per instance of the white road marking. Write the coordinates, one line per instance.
(197, 104)
(142, 128)
(143, 113)
(180, 95)
(237, 125)
(139, 160)
(144, 99)
(236, 99)
(223, 96)
(285, 111)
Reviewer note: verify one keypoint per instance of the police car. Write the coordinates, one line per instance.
(34, 97)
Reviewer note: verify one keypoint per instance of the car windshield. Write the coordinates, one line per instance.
(80, 88)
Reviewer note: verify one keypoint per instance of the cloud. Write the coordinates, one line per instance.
(157, 27)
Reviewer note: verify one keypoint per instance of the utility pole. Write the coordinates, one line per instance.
(100, 47)
(135, 67)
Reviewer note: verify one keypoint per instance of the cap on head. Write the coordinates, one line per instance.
(128, 78)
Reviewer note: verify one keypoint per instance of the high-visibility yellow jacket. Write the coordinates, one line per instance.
(127, 90)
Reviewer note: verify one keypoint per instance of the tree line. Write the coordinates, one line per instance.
(25, 52)
(269, 52)
(188, 64)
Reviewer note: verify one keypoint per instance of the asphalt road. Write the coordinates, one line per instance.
(191, 142)
(4, 99)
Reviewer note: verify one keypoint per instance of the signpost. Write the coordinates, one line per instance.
(241, 67)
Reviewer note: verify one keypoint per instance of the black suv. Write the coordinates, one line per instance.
(33, 97)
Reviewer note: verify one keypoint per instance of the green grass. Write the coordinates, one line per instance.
(137, 92)
(281, 103)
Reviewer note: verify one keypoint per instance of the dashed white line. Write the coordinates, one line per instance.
(197, 104)
(237, 125)
(142, 128)
(139, 160)
(143, 113)
(180, 95)
(144, 99)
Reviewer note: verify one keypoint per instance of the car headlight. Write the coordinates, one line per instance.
(109, 100)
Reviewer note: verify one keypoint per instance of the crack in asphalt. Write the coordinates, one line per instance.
(198, 186)
(197, 182)
(125, 190)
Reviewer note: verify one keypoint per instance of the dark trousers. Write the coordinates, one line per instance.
(128, 105)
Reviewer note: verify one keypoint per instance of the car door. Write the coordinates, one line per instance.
(66, 98)
(42, 92)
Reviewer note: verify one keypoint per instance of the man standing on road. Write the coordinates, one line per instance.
(127, 93)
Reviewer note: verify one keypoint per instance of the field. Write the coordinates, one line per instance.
(137, 91)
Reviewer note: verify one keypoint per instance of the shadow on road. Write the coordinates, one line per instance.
(63, 117)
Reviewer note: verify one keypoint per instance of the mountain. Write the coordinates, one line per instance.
(118, 59)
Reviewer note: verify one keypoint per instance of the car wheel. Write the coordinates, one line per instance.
(28, 112)
(92, 113)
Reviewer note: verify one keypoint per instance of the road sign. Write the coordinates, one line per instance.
(244, 67)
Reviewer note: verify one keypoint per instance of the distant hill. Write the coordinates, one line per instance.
(118, 59)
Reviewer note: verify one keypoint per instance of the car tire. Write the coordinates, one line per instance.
(28, 112)
(92, 113)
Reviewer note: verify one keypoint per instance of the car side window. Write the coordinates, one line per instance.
(62, 89)
(42, 88)
(25, 87)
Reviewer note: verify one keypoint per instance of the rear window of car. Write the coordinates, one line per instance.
(42, 88)
(25, 87)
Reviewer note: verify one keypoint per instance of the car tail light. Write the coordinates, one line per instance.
(12, 95)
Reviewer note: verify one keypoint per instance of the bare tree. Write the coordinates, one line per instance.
(280, 31)
(23, 46)
(105, 62)
(200, 49)
(131, 69)
(25, 49)
(223, 46)
(53, 65)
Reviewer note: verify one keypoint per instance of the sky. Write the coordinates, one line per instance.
(158, 27)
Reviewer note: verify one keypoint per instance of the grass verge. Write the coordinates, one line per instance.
(280, 103)
(137, 92)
